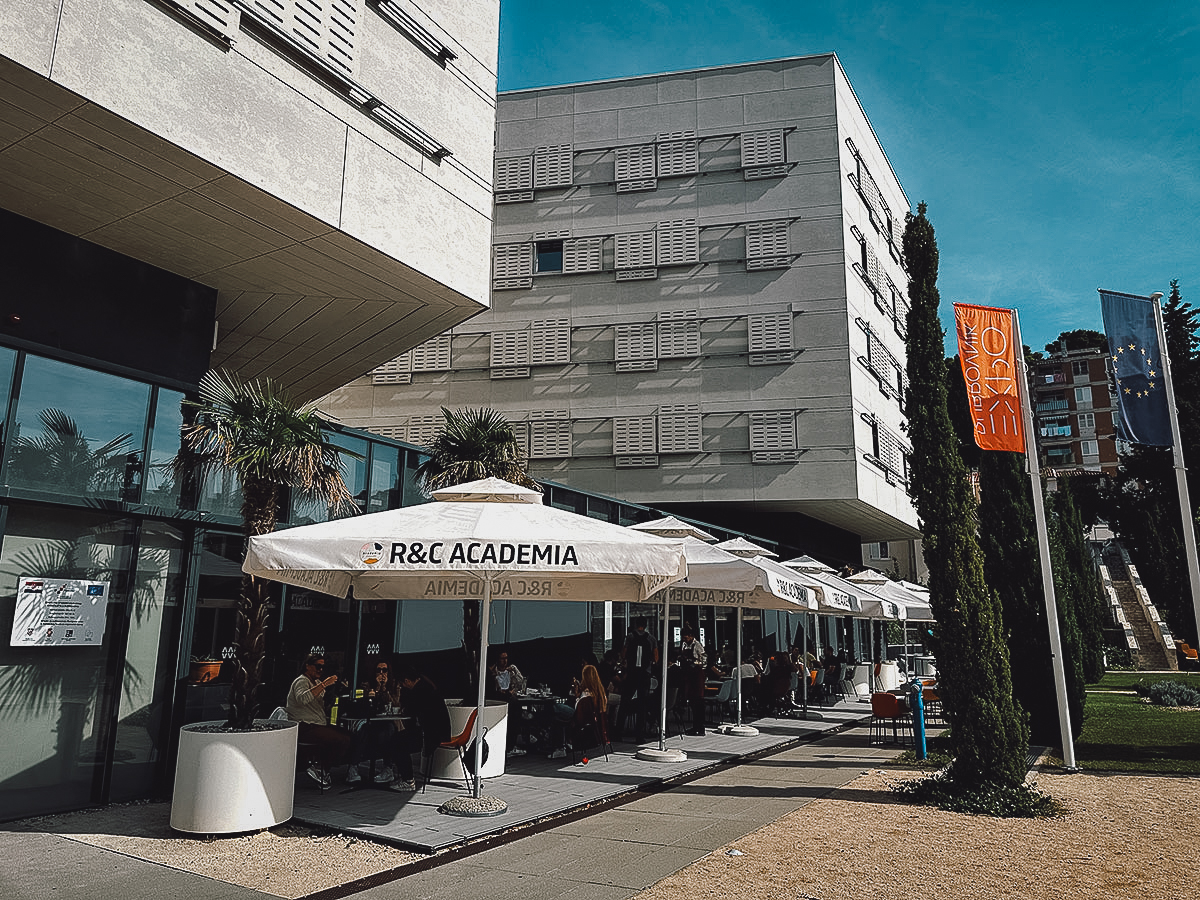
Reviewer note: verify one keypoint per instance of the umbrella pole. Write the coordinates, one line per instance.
(739, 665)
(484, 616)
(662, 687)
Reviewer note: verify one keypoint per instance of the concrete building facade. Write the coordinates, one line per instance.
(1074, 406)
(698, 304)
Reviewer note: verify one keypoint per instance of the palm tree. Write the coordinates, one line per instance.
(473, 444)
(254, 430)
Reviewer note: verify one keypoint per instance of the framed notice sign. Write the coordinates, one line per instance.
(57, 612)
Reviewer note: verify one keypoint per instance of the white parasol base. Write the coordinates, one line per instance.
(477, 807)
(738, 730)
(653, 754)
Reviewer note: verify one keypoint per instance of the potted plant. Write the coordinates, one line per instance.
(239, 775)
(205, 669)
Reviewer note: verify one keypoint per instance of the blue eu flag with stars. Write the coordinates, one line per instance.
(1142, 416)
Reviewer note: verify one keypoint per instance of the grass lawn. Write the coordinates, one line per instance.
(1122, 732)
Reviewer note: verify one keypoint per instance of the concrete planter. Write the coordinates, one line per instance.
(231, 782)
(495, 718)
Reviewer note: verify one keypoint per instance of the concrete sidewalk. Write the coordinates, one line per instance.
(613, 853)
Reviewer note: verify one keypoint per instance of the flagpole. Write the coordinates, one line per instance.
(1185, 502)
(1039, 515)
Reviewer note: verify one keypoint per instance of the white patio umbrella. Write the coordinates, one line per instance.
(671, 527)
(741, 547)
(486, 539)
(912, 598)
(719, 578)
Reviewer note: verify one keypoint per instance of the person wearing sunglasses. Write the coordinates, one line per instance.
(306, 705)
(379, 739)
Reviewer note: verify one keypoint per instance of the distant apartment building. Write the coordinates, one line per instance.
(698, 304)
(1074, 410)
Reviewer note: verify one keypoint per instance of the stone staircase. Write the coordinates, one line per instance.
(1152, 653)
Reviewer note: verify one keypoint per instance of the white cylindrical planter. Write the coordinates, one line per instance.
(231, 782)
(888, 678)
(495, 718)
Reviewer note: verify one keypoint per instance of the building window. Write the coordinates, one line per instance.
(767, 245)
(1079, 367)
(679, 429)
(770, 339)
(1089, 448)
(1083, 396)
(1088, 421)
(549, 256)
(773, 437)
(879, 550)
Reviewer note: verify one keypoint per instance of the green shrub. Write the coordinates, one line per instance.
(1172, 693)
(1020, 801)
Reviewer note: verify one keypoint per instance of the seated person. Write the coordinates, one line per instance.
(505, 680)
(378, 739)
(306, 704)
(421, 700)
(589, 722)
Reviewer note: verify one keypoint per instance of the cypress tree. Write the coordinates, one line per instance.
(1082, 582)
(989, 737)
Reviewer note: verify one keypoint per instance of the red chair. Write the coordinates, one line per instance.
(887, 707)
(458, 744)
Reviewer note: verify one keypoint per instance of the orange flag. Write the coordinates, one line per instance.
(989, 364)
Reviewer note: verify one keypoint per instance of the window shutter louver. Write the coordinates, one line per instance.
(773, 437)
(635, 169)
(635, 436)
(767, 245)
(421, 430)
(583, 255)
(678, 154)
(398, 371)
(221, 16)
(677, 243)
(553, 166)
(549, 342)
(514, 179)
(678, 333)
(432, 356)
(549, 434)
(764, 155)
(512, 266)
(680, 429)
(770, 339)
(636, 347)
(326, 28)
(633, 256)
(510, 354)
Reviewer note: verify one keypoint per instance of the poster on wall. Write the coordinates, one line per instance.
(59, 612)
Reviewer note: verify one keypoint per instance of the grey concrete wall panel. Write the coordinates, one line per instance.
(470, 27)
(649, 121)
(715, 115)
(596, 127)
(615, 95)
(555, 103)
(740, 80)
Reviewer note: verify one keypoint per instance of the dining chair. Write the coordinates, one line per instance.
(885, 708)
(459, 744)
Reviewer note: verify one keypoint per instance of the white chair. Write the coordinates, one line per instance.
(723, 697)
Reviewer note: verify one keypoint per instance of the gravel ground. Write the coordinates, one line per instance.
(1123, 836)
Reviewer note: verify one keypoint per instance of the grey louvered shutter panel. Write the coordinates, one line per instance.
(512, 266)
(326, 28)
(764, 154)
(635, 436)
(510, 354)
(549, 434)
(678, 154)
(891, 452)
(770, 338)
(678, 333)
(901, 320)
(635, 347)
(433, 355)
(398, 371)
(585, 254)
(677, 243)
(633, 256)
(878, 209)
(221, 16)
(635, 170)
(514, 179)
(421, 430)
(873, 266)
(680, 429)
(553, 166)
(767, 245)
(549, 342)
(773, 437)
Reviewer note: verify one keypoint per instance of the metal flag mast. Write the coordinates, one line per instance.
(1039, 515)
(1185, 503)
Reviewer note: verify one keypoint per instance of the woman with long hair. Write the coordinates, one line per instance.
(591, 686)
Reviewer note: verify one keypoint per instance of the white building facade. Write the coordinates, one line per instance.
(698, 303)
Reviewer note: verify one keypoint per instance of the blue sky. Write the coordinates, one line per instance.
(1057, 144)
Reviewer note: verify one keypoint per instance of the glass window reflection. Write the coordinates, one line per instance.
(77, 432)
(385, 478)
(307, 510)
(161, 487)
